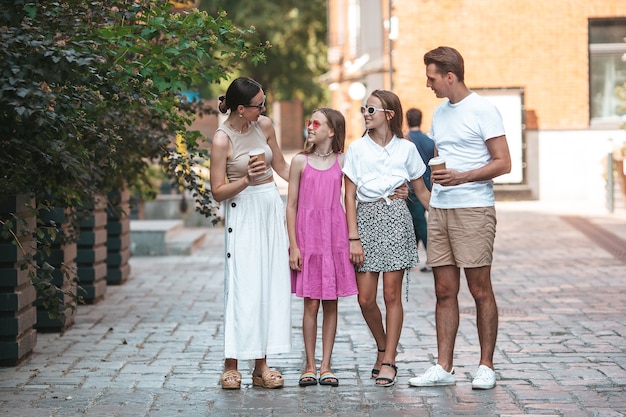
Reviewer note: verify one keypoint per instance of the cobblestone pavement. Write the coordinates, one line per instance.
(153, 346)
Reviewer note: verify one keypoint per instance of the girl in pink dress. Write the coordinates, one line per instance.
(319, 251)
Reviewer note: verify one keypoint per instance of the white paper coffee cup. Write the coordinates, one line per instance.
(437, 163)
(259, 153)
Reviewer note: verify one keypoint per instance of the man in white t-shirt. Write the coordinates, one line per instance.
(469, 135)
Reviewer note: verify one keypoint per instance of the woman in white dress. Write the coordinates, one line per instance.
(257, 285)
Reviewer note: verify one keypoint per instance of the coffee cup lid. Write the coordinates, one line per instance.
(436, 161)
(256, 151)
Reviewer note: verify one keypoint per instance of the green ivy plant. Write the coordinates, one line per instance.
(91, 93)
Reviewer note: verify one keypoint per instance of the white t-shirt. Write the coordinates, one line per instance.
(460, 132)
(377, 171)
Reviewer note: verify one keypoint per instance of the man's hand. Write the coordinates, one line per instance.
(448, 177)
(400, 192)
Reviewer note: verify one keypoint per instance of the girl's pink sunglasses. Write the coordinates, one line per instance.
(314, 124)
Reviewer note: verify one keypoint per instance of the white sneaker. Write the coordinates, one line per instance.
(485, 378)
(436, 376)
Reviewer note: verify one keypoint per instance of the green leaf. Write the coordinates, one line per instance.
(31, 11)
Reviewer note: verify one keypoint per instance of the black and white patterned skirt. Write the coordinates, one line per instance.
(387, 236)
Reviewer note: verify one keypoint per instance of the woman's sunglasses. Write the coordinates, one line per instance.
(371, 109)
(258, 106)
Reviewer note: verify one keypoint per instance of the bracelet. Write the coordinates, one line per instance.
(354, 238)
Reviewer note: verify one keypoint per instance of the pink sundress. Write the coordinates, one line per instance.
(322, 236)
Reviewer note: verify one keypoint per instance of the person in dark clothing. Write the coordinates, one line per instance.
(426, 148)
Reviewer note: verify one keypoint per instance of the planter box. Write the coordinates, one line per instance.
(18, 336)
(62, 257)
(118, 238)
(91, 253)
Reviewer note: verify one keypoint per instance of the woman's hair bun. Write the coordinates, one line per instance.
(222, 105)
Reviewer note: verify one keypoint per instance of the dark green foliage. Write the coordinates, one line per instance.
(90, 94)
(297, 32)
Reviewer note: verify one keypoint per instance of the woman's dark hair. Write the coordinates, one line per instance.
(240, 91)
(337, 123)
(391, 101)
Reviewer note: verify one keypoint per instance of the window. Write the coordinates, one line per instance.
(354, 27)
(607, 71)
(371, 31)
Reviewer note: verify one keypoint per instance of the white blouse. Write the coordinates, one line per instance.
(377, 171)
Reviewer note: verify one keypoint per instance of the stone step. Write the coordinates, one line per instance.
(168, 207)
(186, 241)
(164, 238)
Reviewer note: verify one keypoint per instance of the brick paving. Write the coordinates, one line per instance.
(153, 346)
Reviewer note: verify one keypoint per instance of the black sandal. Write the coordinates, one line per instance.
(388, 381)
(375, 371)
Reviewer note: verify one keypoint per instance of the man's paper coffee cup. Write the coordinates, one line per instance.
(259, 153)
(437, 163)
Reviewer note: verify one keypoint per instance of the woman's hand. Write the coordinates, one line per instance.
(255, 168)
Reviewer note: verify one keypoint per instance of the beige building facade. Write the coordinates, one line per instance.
(552, 67)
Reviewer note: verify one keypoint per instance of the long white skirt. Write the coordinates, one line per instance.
(257, 285)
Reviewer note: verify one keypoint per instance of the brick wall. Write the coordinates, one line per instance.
(541, 46)
(288, 121)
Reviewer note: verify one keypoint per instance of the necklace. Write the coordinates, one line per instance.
(324, 155)
(235, 129)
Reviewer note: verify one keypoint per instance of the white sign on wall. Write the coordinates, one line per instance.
(509, 102)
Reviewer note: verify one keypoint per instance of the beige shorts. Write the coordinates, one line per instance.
(462, 236)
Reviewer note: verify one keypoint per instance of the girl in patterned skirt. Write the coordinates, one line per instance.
(380, 227)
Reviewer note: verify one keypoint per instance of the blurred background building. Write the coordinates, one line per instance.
(551, 67)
